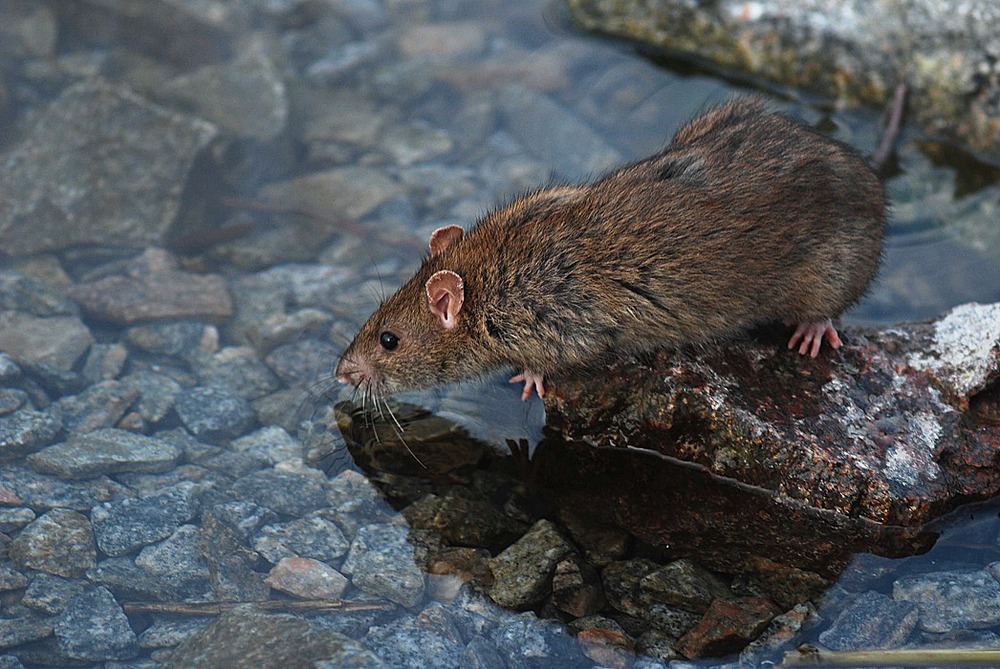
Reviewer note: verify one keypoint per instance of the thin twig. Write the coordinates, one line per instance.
(929, 657)
(218, 608)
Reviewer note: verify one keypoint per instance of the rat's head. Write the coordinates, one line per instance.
(416, 338)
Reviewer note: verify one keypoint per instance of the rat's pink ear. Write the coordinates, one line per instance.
(444, 237)
(445, 295)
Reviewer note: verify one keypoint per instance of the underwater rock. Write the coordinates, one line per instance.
(857, 447)
(846, 49)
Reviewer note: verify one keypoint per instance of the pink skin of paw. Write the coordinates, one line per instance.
(531, 382)
(809, 337)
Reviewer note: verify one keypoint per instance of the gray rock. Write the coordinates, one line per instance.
(286, 493)
(311, 537)
(9, 371)
(19, 292)
(124, 526)
(872, 621)
(10, 662)
(950, 601)
(27, 31)
(105, 451)
(60, 542)
(131, 582)
(157, 394)
(355, 502)
(93, 627)
(41, 491)
(180, 552)
(231, 564)
(12, 519)
(464, 518)
(234, 640)
(347, 192)
(26, 430)
(12, 399)
(303, 361)
(24, 629)
(102, 405)
(240, 370)
(480, 654)
(245, 97)
(406, 645)
(307, 578)
(50, 594)
(214, 413)
(524, 569)
(684, 584)
(243, 517)
(381, 562)
(169, 633)
(414, 143)
(553, 135)
(525, 641)
(341, 60)
(58, 341)
(104, 362)
(72, 180)
(183, 339)
(271, 444)
(11, 579)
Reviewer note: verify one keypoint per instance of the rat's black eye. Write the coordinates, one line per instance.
(389, 341)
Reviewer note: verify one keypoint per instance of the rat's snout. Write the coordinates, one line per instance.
(352, 372)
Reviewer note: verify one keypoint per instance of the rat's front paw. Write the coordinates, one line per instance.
(811, 334)
(530, 381)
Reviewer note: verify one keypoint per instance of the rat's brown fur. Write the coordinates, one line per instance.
(746, 218)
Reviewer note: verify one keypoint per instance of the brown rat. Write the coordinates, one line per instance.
(747, 217)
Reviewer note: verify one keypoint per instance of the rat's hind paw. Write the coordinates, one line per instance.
(530, 381)
(811, 334)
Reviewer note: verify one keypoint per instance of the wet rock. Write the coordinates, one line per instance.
(452, 568)
(21, 486)
(162, 295)
(343, 117)
(604, 641)
(178, 553)
(12, 399)
(15, 519)
(58, 341)
(170, 633)
(234, 640)
(576, 589)
(407, 645)
(553, 135)
(102, 405)
(50, 594)
(312, 537)
(784, 585)
(355, 502)
(104, 362)
(128, 581)
(480, 654)
(342, 192)
(871, 621)
(728, 414)
(684, 584)
(24, 431)
(157, 393)
(9, 371)
(23, 629)
(271, 444)
(307, 578)
(283, 328)
(949, 601)
(35, 296)
(60, 542)
(240, 370)
(72, 180)
(11, 579)
(464, 518)
(455, 38)
(231, 564)
(782, 632)
(124, 526)
(213, 412)
(183, 339)
(414, 143)
(819, 46)
(523, 571)
(245, 97)
(727, 626)
(303, 361)
(27, 31)
(381, 562)
(286, 493)
(524, 641)
(93, 627)
(105, 451)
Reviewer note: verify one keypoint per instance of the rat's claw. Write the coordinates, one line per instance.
(530, 381)
(809, 336)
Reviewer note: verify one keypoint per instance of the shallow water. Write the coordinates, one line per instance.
(462, 116)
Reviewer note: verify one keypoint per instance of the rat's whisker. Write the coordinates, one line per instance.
(399, 433)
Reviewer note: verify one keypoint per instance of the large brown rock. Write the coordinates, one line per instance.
(752, 449)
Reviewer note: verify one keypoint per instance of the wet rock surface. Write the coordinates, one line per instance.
(943, 50)
(883, 438)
